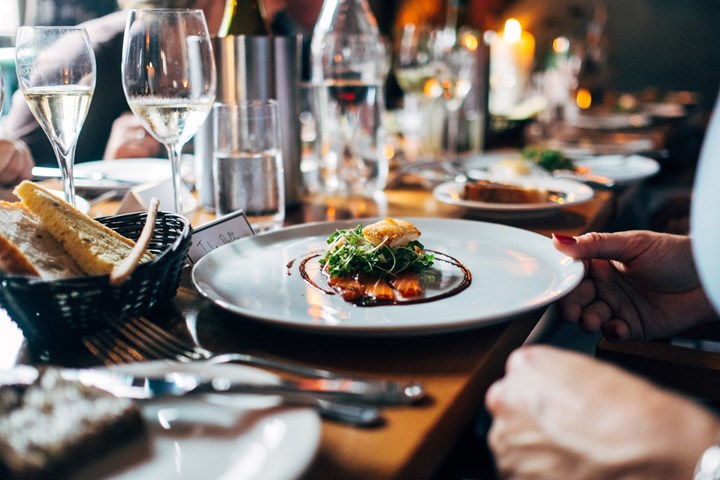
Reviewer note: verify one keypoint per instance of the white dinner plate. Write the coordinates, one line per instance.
(238, 437)
(621, 168)
(513, 271)
(134, 170)
(612, 121)
(575, 193)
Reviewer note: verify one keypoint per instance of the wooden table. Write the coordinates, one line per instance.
(456, 368)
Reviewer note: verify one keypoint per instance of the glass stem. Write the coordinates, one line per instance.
(66, 161)
(174, 153)
(452, 137)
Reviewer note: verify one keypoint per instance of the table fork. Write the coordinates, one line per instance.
(139, 339)
(117, 352)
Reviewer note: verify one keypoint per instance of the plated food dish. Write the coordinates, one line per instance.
(568, 192)
(383, 263)
(513, 271)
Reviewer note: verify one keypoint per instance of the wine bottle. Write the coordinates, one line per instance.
(348, 68)
(244, 17)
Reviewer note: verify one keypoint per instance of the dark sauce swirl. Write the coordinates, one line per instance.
(430, 294)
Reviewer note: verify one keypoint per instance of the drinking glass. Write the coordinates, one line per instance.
(168, 75)
(2, 92)
(413, 67)
(248, 163)
(454, 64)
(56, 72)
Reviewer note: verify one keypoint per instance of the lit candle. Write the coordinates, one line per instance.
(512, 55)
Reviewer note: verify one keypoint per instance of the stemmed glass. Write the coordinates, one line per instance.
(413, 68)
(56, 72)
(168, 75)
(454, 64)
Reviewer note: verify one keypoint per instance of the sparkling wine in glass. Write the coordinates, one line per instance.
(454, 64)
(56, 72)
(412, 66)
(168, 75)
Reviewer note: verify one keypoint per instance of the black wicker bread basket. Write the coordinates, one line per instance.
(55, 312)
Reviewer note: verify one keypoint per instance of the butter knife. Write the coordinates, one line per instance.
(178, 384)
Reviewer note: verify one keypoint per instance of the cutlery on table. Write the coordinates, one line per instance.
(183, 384)
(179, 383)
(139, 339)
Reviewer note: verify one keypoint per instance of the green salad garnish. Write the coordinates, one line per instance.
(351, 253)
(548, 159)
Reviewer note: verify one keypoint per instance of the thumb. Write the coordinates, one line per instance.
(621, 246)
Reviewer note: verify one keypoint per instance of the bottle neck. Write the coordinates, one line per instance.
(244, 17)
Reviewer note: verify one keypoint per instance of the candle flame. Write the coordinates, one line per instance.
(513, 31)
(470, 41)
(583, 98)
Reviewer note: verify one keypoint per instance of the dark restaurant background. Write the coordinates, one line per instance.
(667, 44)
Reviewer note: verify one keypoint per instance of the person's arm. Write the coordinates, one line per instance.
(638, 285)
(559, 414)
(129, 139)
(16, 162)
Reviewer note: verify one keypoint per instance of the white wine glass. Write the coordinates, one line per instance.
(56, 73)
(412, 66)
(168, 75)
(454, 64)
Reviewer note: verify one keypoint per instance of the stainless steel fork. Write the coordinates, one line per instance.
(141, 339)
(116, 351)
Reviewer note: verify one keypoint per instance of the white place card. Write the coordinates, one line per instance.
(217, 233)
(138, 199)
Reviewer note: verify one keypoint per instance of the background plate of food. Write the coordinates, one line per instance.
(482, 273)
(515, 197)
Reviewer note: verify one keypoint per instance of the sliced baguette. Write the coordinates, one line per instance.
(27, 248)
(96, 248)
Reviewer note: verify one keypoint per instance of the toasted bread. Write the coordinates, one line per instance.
(27, 248)
(96, 248)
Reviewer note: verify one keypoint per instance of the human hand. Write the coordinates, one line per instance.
(638, 285)
(16, 162)
(563, 415)
(129, 139)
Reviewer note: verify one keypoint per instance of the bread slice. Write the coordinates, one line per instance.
(93, 246)
(27, 248)
(53, 427)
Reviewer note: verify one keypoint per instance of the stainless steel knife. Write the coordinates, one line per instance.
(177, 384)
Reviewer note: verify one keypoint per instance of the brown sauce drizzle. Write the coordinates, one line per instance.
(370, 302)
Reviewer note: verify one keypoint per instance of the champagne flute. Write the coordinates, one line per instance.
(454, 63)
(413, 68)
(168, 75)
(56, 72)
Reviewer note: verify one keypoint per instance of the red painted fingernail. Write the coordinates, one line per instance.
(565, 239)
